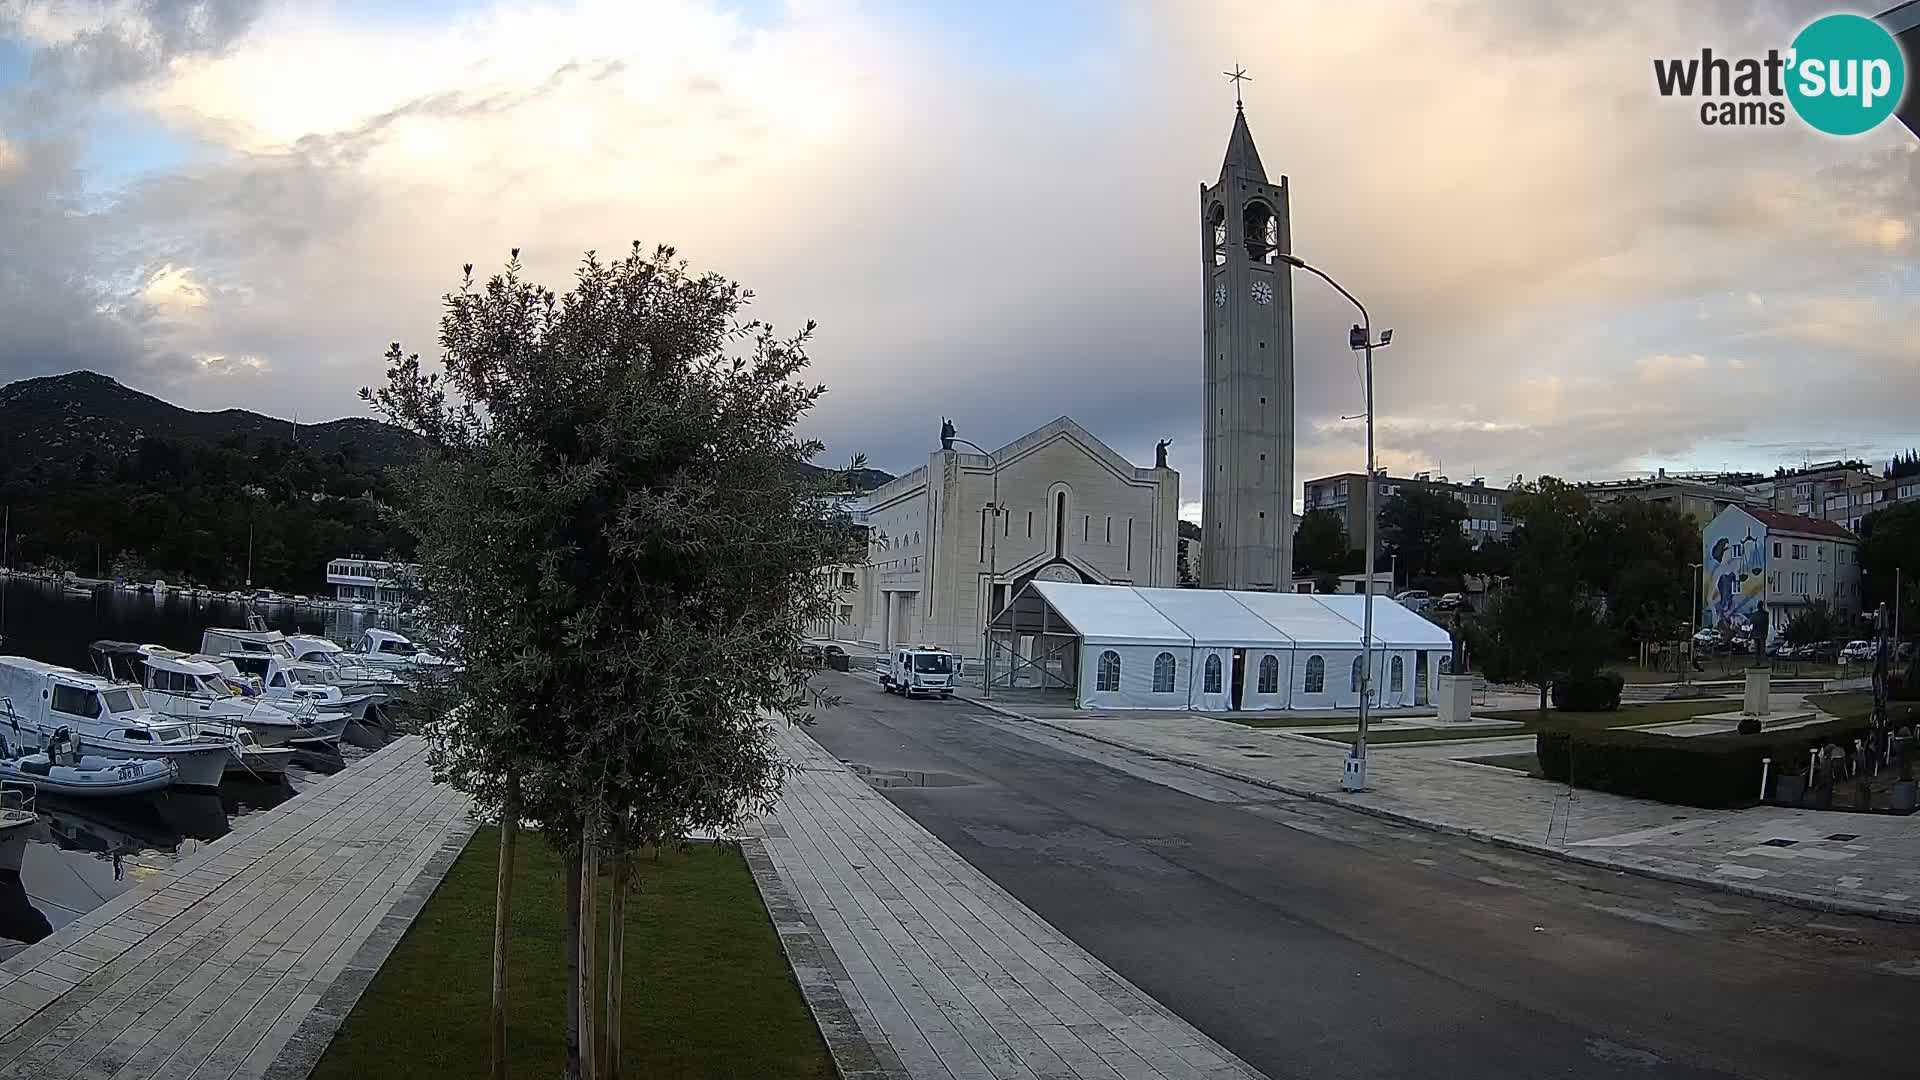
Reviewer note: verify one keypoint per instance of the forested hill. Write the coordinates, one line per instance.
(100, 476)
(57, 419)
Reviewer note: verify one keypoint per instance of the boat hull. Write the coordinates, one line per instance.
(199, 766)
(97, 783)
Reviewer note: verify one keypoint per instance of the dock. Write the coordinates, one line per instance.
(243, 961)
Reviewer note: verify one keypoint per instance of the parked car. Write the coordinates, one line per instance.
(1414, 599)
(810, 654)
(1452, 601)
(833, 650)
(1857, 652)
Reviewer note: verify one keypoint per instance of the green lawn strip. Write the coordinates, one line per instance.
(1731, 669)
(1858, 705)
(1526, 761)
(1283, 721)
(708, 992)
(1407, 735)
(1653, 712)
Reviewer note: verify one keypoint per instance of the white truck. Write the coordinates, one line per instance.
(920, 670)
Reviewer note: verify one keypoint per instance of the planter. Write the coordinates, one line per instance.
(1906, 795)
(1789, 788)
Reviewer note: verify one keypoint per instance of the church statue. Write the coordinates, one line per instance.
(946, 434)
(1160, 453)
(1760, 636)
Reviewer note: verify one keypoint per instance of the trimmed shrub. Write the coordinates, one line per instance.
(1749, 725)
(1552, 748)
(1594, 692)
(1714, 771)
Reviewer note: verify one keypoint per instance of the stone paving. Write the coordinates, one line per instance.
(1854, 863)
(242, 962)
(942, 973)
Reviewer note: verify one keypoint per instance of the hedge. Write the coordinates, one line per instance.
(1713, 771)
(1596, 692)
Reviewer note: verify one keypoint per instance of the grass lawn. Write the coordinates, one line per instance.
(1724, 668)
(1858, 705)
(1526, 761)
(708, 992)
(1280, 721)
(1656, 712)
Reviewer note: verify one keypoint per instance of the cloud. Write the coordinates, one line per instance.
(989, 240)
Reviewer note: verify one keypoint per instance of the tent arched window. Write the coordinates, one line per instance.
(1163, 673)
(1211, 685)
(1269, 674)
(1316, 675)
(1109, 674)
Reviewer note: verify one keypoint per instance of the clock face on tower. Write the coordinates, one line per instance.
(1262, 292)
(1220, 295)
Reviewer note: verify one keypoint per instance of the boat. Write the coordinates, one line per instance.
(62, 769)
(195, 689)
(391, 650)
(249, 758)
(17, 817)
(350, 677)
(107, 717)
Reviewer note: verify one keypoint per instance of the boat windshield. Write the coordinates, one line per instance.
(130, 699)
(281, 648)
(219, 685)
(399, 648)
(309, 678)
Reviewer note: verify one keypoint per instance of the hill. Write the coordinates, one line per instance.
(56, 420)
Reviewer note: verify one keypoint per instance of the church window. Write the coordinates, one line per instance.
(1163, 671)
(1262, 232)
(1263, 513)
(1316, 675)
(1029, 524)
(1086, 527)
(1129, 543)
(1060, 525)
(1109, 675)
(1109, 528)
(1212, 683)
(1269, 674)
(1217, 227)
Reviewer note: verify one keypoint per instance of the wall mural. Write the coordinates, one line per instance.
(1736, 571)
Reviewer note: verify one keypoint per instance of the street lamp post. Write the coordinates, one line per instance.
(993, 571)
(1693, 627)
(1359, 338)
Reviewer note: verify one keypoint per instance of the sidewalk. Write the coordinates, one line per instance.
(1854, 863)
(242, 962)
(918, 966)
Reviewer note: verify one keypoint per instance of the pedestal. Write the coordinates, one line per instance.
(1759, 686)
(1456, 699)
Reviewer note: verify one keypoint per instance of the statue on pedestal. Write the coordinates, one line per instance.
(1760, 636)
(1160, 453)
(946, 434)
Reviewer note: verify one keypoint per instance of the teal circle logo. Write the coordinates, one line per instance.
(1848, 74)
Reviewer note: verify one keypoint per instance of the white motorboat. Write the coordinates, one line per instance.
(350, 677)
(107, 717)
(17, 816)
(247, 757)
(268, 656)
(195, 689)
(391, 650)
(77, 775)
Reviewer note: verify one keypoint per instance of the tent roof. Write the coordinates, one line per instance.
(1128, 615)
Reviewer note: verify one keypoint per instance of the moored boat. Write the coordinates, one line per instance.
(62, 771)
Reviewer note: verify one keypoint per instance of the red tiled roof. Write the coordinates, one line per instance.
(1795, 523)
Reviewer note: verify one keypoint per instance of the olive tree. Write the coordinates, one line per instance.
(617, 553)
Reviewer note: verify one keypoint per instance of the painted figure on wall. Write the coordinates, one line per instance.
(1736, 578)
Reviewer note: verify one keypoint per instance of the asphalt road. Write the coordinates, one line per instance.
(1317, 942)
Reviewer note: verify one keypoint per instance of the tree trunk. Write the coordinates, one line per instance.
(589, 961)
(1543, 695)
(502, 920)
(616, 958)
(572, 1071)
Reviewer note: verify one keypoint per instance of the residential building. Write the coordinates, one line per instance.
(371, 581)
(1073, 510)
(1701, 496)
(1344, 494)
(1754, 557)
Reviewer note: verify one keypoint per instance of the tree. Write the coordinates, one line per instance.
(1422, 528)
(1320, 543)
(1641, 555)
(1814, 624)
(616, 552)
(1546, 623)
(1890, 544)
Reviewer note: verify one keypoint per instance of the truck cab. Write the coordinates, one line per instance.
(920, 669)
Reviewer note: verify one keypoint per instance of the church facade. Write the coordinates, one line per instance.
(1071, 509)
(1247, 508)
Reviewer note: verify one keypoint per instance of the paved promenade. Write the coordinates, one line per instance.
(242, 962)
(921, 967)
(1855, 863)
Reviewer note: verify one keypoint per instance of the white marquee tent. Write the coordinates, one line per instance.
(1122, 647)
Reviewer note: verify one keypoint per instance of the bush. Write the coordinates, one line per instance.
(1594, 692)
(1749, 725)
(1714, 771)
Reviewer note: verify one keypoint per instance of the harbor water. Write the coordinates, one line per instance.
(83, 852)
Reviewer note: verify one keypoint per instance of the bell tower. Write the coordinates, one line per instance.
(1247, 510)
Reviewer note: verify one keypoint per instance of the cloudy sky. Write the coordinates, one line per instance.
(989, 207)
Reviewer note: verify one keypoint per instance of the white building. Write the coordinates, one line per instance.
(1754, 557)
(1072, 509)
(1214, 650)
(371, 581)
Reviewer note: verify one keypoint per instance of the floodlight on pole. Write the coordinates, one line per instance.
(1359, 338)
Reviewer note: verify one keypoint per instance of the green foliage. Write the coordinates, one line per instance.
(1320, 543)
(1641, 555)
(1890, 542)
(1715, 771)
(1588, 692)
(1422, 527)
(180, 509)
(616, 545)
(1815, 623)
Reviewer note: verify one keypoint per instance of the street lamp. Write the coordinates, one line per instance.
(1359, 338)
(993, 571)
(1693, 627)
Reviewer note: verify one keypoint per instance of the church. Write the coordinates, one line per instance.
(957, 538)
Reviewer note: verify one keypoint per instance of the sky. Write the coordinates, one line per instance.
(989, 207)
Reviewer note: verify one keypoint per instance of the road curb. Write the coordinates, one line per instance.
(1757, 892)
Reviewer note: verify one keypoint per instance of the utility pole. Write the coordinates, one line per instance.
(993, 571)
(1693, 626)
